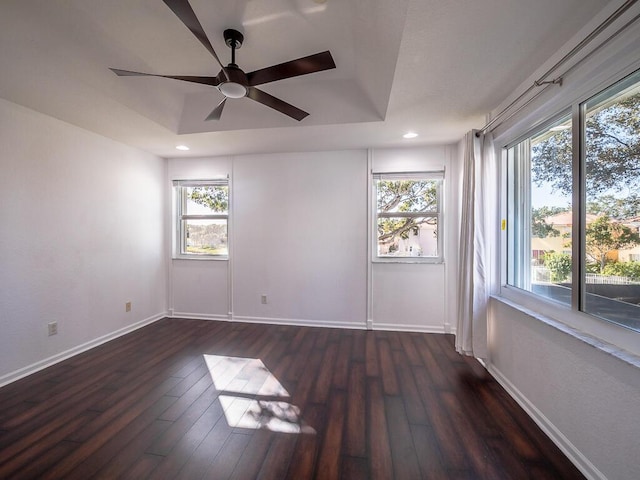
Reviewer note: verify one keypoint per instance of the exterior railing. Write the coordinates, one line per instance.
(540, 274)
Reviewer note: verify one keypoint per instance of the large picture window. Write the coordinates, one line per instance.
(574, 216)
(408, 217)
(202, 215)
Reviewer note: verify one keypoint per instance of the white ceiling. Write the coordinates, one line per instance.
(432, 66)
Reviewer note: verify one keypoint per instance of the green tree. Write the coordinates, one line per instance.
(539, 226)
(551, 162)
(559, 264)
(215, 197)
(612, 157)
(402, 196)
(604, 236)
(616, 208)
(624, 269)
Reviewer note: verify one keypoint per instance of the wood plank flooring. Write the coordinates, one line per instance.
(190, 399)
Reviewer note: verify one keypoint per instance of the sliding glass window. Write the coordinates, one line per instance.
(573, 224)
(540, 213)
(611, 164)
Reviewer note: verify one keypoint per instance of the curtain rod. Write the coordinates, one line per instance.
(570, 69)
(558, 81)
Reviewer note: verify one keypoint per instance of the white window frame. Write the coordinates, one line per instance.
(437, 175)
(180, 216)
(573, 314)
(518, 191)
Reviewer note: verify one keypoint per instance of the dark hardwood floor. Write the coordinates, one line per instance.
(201, 399)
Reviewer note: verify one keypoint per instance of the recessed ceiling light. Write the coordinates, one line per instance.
(184, 148)
(410, 135)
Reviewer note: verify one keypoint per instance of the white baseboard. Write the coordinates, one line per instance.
(563, 443)
(201, 316)
(300, 322)
(408, 328)
(47, 362)
(368, 325)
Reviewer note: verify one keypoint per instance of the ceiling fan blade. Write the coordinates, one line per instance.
(217, 112)
(275, 103)
(302, 66)
(185, 13)
(213, 81)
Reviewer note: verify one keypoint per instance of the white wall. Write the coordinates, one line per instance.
(299, 235)
(82, 221)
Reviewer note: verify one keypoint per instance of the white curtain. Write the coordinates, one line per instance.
(478, 217)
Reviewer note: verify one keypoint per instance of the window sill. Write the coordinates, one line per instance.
(420, 260)
(597, 341)
(200, 259)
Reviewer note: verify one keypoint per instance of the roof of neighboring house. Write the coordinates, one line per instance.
(566, 218)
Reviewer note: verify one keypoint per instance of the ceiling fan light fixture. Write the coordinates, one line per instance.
(233, 90)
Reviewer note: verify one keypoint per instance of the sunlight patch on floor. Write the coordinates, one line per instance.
(263, 414)
(247, 390)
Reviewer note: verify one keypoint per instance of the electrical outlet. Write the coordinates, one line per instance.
(263, 299)
(53, 328)
(127, 307)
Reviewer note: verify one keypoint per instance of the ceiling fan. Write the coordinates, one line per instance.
(232, 82)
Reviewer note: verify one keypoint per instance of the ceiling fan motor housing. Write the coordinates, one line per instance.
(236, 84)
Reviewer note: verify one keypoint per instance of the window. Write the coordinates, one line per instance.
(540, 215)
(202, 215)
(611, 164)
(580, 208)
(408, 218)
